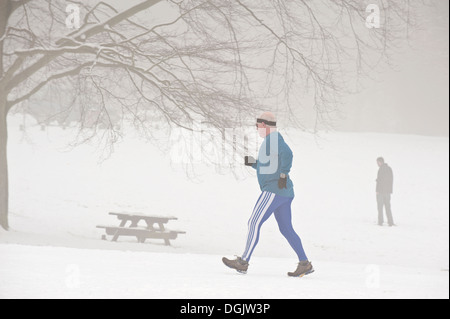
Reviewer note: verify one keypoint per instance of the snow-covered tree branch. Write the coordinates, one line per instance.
(212, 61)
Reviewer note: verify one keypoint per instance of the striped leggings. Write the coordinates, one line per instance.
(267, 204)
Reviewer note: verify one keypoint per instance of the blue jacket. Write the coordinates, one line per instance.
(274, 158)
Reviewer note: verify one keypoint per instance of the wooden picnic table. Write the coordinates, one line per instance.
(154, 227)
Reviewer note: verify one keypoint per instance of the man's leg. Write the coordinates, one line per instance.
(283, 216)
(380, 203)
(261, 213)
(387, 205)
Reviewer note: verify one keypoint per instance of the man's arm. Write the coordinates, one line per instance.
(286, 157)
(391, 180)
(378, 180)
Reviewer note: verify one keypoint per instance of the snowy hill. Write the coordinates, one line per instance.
(57, 197)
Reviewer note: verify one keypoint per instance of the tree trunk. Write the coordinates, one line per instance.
(3, 166)
(5, 10)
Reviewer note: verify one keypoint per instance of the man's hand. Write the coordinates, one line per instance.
(249, 161)
(282, 182)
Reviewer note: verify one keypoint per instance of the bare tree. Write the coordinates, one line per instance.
(212, 61)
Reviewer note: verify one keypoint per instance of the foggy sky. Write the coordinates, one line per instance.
(413, 96)
(409, 97)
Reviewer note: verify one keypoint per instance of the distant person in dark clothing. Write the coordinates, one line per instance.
(385, 181)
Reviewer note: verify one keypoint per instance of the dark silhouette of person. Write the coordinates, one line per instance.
(384, 189)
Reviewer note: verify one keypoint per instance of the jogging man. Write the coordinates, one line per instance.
(273, 166)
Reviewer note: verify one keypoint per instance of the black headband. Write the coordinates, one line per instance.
(270, 123)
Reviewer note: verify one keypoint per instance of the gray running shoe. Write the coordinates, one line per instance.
(303, 268)
(237, 264)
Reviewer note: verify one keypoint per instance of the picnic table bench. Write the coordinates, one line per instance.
(154, 227)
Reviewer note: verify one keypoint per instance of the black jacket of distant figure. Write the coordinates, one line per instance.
(385, 180)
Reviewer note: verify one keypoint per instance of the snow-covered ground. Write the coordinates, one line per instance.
(57, 197)
(55, 272)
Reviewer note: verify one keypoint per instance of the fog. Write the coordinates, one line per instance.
(411, 96)
(407, 95)
(97, 154)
